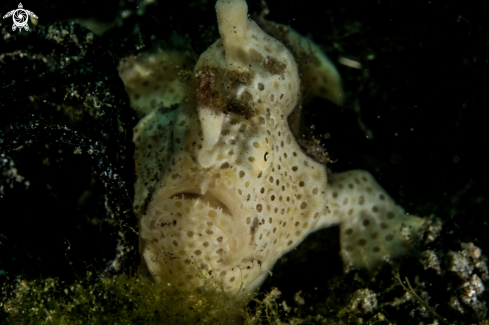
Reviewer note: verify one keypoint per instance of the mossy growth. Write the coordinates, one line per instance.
(112, 300)
(122, 299)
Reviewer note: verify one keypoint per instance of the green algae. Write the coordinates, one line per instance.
(112, 300)
(122, 299)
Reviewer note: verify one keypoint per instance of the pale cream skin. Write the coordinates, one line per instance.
(223, 188)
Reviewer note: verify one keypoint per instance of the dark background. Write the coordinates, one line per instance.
(422, 92)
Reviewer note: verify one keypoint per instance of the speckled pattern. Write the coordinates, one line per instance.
(223, 188)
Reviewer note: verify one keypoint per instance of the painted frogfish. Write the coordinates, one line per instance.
(224, 188)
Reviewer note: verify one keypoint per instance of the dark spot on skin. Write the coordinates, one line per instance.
(254, 227)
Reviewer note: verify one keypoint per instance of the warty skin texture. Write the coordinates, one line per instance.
(223, 188)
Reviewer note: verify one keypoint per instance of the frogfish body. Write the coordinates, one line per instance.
(224, 189)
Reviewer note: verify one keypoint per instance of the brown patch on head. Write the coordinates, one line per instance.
(215, 89)
(240, 108)
(205, 89)
(274, 66)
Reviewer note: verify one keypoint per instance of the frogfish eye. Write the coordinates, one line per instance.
(266, 156)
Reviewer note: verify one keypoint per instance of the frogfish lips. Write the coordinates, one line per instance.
(199, 221)
(208, 198)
